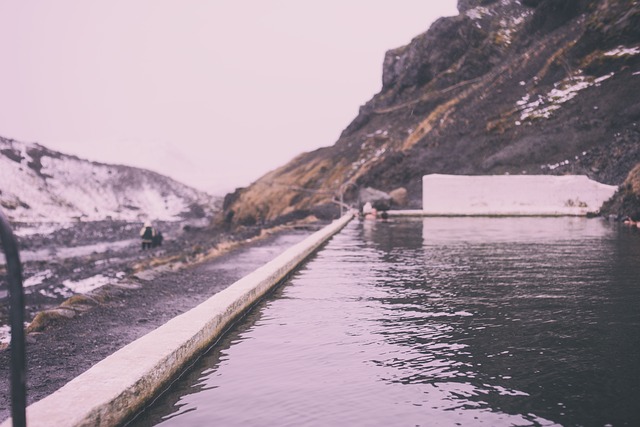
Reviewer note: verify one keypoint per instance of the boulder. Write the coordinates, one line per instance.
(378, 199)
(399, 196)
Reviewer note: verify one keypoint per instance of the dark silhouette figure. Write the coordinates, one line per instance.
(157, 239)
(147, 233)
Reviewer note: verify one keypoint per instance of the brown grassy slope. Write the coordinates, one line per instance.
(626, 201)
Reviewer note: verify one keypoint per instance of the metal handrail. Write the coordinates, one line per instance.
(342, 190)
(16, 314)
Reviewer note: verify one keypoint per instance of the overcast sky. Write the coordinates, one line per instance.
(212, 93)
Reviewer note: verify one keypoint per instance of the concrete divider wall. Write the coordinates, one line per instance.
(116, 388)
(513, 195)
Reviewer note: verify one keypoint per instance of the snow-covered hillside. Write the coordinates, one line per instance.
(41, 185)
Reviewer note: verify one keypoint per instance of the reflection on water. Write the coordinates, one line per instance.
(441, 321)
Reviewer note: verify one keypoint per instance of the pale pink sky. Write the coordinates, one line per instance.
(212, 93)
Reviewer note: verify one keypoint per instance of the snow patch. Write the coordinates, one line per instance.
(623, 51)
(5, 334)
(56, 293)
(544, 105)
(37, 278)
(86, 285)
(478, 12)
(27, 230)
(75, 251)
(510, 25)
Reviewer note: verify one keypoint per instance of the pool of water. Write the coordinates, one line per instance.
(435, 322)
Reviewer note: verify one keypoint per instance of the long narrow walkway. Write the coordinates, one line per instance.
(61, 353)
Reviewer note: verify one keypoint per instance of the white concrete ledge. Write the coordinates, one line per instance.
(421, 213)
(117, 387)
(406, 212)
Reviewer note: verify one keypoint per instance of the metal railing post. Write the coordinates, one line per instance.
(342, 190)
(16, 314)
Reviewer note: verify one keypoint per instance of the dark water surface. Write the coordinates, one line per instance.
(435, 322)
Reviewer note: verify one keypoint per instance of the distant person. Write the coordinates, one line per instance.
(147, 233)
(627, 220)
(157, 239)
(367, 208)
(373, 213)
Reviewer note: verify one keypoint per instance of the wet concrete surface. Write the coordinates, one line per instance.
(68, 348)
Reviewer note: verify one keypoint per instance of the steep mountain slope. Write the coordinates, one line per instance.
(535, 87)
(41, 185)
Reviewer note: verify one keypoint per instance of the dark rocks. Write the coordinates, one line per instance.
(551, 14)
(399, 197)
(430, 53)
(531, 3)
(626, 201)
(378, 199)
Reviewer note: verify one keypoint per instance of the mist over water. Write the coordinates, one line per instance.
(435, 322)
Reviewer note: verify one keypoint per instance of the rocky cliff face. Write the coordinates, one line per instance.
(42, 185)
(518, 87)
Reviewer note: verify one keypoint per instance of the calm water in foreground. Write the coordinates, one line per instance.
(435, 322)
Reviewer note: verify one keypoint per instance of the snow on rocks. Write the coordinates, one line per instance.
(478, 12)
(37, 278)
(40, 185)
(623, 51)
(544, 105)
(86, 285)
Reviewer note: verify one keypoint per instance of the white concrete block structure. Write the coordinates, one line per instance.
(513, 195)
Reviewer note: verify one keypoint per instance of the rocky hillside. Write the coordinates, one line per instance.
(41, 185)
(507, 86)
